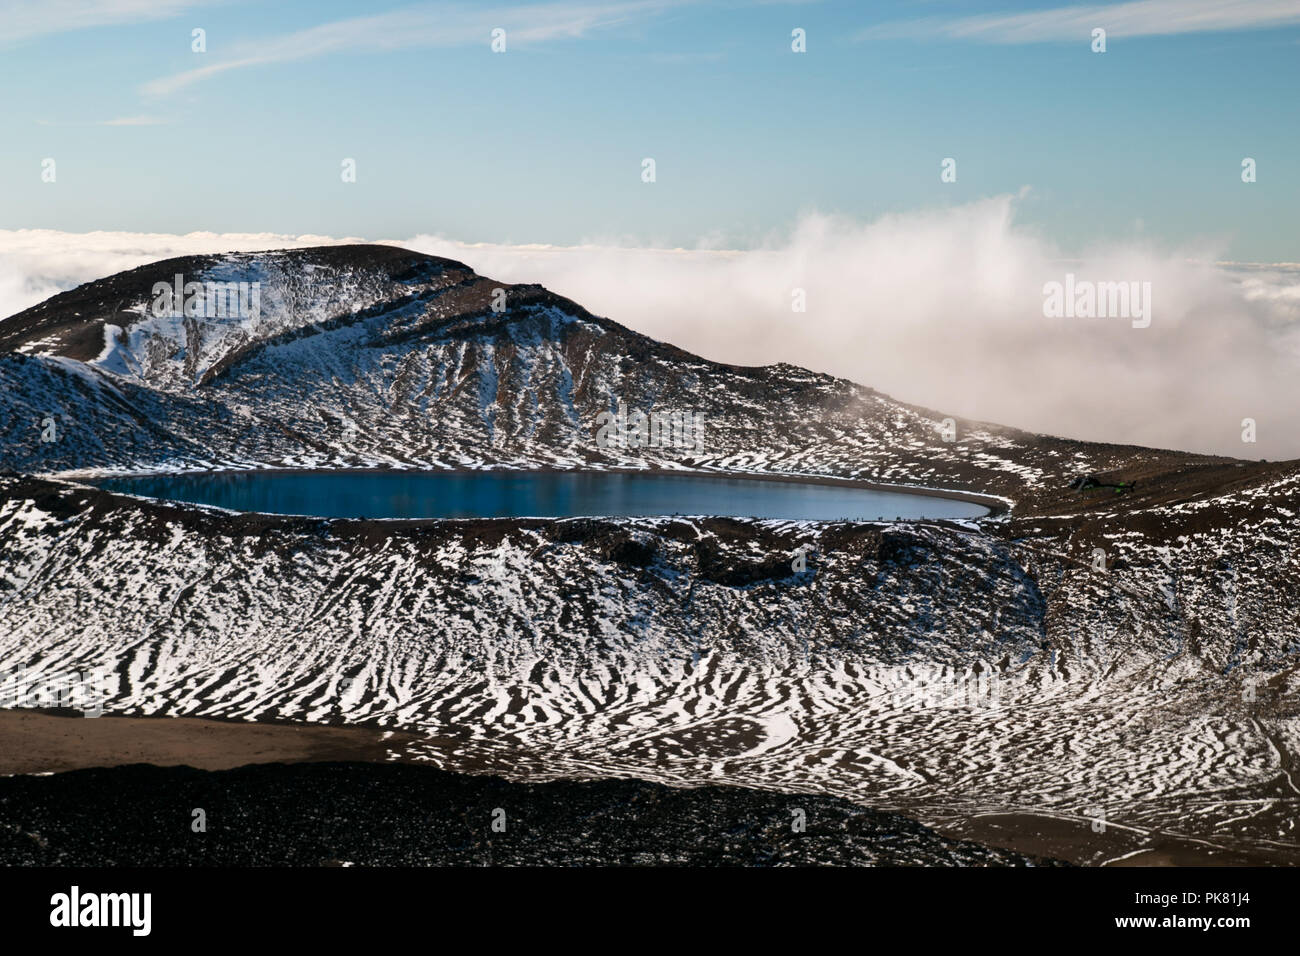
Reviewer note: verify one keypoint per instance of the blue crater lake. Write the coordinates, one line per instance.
(534, 494)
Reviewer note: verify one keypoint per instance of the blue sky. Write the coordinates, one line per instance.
(544, 143)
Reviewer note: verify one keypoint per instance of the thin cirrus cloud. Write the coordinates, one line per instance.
(133, 121)
(116, 121)
(1064, 24)
(436, 25)
(22, 20)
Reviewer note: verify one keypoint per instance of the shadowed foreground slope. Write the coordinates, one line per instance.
(393, 815)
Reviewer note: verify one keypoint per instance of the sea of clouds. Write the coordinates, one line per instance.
(941, 308)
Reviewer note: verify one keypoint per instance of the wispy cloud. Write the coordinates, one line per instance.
(430, 25)
(22, 20)
(116, 121)
(133, 121)
(1075, 23)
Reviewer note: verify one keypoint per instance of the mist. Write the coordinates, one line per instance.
(946, 309)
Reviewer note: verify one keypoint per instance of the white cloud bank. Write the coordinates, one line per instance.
(940, 308)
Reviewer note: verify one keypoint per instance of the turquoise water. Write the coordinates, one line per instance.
(532, 494)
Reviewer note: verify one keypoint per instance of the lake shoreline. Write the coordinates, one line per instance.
(996, 507)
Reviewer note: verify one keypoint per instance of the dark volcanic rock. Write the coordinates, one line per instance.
(392, 815)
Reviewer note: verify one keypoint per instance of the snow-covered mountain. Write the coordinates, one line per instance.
(372, 355)
(944, 669)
